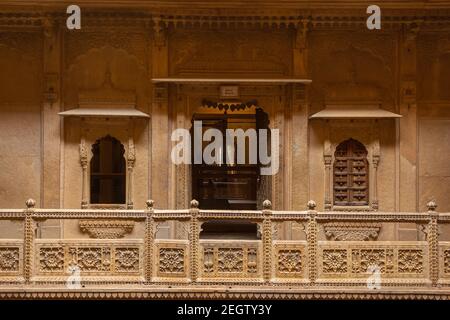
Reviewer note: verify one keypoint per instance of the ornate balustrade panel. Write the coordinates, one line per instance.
(345, 262)
(287, 250)
(290, 262)
(98, 260)
(11, 261)
(444, 262)
(171, 261)
(230, 261)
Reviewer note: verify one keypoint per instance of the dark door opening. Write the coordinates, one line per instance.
(108, 172)
(228, 186)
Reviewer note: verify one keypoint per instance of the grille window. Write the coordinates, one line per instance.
(351, 174)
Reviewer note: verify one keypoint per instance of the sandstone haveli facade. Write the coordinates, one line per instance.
(86, 118)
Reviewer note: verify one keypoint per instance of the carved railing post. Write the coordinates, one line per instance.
(375, 162)
(267, 240)
(327, 158)
(433, 243)
(149, 241)
(311, 238)
(85, 179)
(193, 240)
(28, 240)
(131, 159)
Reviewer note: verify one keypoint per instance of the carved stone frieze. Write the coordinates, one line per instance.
(106, 229)
(347, 231)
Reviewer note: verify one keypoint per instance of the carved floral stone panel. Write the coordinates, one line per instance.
(127, 259)
(221, 260)
(354, 260)
(334, 261)
(171, 259)
(110, 259)
(9, 259)
(51, 259)
(410, 261)
(289, 261)
(446, 262)
(224, 52)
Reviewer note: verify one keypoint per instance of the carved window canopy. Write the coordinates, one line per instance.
(351, 111)
(106, 101)
(104, 112)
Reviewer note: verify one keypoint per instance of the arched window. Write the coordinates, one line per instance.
(108, 172)
(351, 174)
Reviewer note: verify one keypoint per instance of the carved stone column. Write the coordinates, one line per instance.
(267, 241)
(311, 237)
(193, 240)
(433, 244)
(131, 159)
(28, 241)
(327, 159)
(85, 178)
(375, 161)
(149, 241)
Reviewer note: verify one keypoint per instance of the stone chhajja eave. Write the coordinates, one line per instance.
(228, 4)
(234, 19)
(222, 293)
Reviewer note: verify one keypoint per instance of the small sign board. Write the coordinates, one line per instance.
(229, 92)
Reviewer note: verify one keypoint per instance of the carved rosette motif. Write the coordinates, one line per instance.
(9, 259)
(230, 259)
(127, 259)
(51, 259)
(410, 261)
(338, 231)
(290, 261)
(106, 229)
(91, 258)
(334, 261)
(446, 257)
(171, 260)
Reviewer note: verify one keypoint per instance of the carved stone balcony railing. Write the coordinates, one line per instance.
(297, 254)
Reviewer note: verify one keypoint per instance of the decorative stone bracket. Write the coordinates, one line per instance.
(106, 229)
(337, 231)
